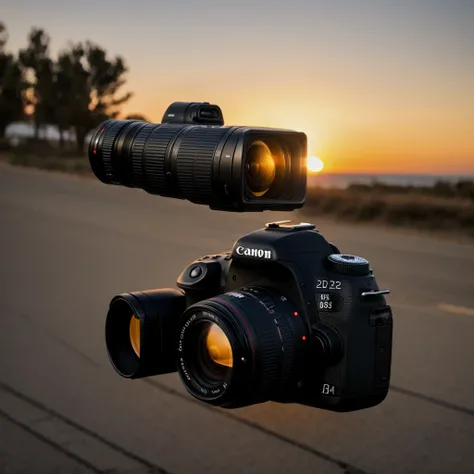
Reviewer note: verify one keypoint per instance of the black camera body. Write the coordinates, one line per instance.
(327, 313)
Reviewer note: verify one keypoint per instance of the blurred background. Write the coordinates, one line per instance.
(385, 93)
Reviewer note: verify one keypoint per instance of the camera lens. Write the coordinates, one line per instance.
(226, 168)
(241, 348)
(260, 168)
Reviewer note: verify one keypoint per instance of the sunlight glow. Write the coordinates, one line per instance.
(315, 164)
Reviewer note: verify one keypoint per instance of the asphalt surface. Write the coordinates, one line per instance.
(69, 244)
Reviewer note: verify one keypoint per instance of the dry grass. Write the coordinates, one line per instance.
(412, 209)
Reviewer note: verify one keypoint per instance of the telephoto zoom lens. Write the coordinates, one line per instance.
(226, 168)
(241, 348)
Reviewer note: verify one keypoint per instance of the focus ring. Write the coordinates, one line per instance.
(288, 347)
(137, 154)
(285, 336)
(110, 136)
(268, 352)
(154, 154)
(194, 163)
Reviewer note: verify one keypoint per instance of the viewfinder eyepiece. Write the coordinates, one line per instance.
(202, 113)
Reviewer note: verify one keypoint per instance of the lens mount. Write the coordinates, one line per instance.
(253, 351)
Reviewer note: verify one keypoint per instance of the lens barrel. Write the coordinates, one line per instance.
(256, 357)
(140, 331)
(226, 168)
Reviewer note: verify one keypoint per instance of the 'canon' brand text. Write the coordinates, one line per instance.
(248, 252)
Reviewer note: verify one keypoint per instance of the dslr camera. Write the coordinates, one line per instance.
(283, 316)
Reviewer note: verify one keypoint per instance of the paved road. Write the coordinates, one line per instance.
(69, 244)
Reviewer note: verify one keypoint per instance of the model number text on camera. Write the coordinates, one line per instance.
(329, 284)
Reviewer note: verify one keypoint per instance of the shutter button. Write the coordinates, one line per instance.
(195, 272)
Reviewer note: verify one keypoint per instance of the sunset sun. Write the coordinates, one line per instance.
(315, 164)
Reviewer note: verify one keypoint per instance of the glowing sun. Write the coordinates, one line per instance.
(315, 164)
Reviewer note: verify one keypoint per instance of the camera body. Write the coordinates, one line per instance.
(339, 329)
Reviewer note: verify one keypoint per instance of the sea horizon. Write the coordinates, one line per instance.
(342, 180)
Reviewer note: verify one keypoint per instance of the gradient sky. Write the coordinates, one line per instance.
(384, 86)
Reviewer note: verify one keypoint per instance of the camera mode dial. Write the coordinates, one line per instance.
(348, 264)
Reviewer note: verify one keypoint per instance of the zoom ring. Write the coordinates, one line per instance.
(154, 154)
(137, 154)
(111, 134)
(194, 163)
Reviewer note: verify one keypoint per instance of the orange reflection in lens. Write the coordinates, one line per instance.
(135, 334)
(218, 346)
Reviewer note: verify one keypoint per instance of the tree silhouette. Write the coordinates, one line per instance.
(39, 70)
(11, 85)
(77, 91)
(88, 83)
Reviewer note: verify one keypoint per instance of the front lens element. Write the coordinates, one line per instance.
(260, 168)
(135, 334)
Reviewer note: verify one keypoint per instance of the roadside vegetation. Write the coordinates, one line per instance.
(444, 207)
(42, 156)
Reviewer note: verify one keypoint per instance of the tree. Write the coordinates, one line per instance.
(88, 83)
(136, 117)
(39, 69)
(11, 85)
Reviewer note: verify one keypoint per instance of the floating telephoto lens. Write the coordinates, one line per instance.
(234, 351)
(192, 156)
(139, 332)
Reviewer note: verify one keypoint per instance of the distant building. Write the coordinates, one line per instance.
(19, 132)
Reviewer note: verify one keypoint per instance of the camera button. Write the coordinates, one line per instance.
(348, 264)
(195, 272)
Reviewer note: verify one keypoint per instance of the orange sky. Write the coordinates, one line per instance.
(377, 86)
